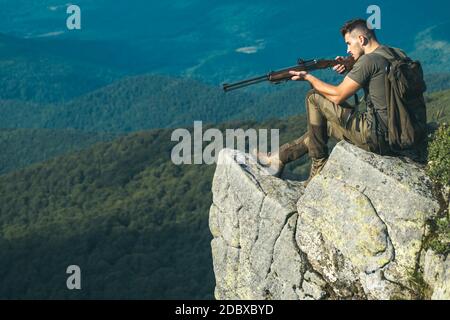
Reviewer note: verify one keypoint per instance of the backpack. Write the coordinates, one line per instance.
(406, 109)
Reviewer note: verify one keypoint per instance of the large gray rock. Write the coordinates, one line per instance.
(373, 211)
(436, 274)
(253, 220)
(355, 232)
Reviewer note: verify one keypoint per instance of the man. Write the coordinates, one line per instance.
(329, 115)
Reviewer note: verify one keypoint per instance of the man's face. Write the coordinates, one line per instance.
(354, 45)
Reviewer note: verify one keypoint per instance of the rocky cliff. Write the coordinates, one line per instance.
(356, 232)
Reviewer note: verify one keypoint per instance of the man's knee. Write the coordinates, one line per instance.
(312, 97)
(310, 93)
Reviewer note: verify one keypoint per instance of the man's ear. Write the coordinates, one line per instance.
(363, 40)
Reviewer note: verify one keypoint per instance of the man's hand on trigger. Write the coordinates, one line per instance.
(340, 68)
(298, 75)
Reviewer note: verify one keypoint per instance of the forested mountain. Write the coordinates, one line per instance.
(134, 222)
(31, 70)
(155, 101)
(120, 211)
(152, 101)
(22, 147)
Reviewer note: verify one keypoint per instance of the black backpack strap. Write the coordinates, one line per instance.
(394, 54)
(391, 55)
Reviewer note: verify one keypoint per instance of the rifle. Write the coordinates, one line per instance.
(283, 75)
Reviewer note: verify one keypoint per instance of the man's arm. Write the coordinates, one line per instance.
(337, 94)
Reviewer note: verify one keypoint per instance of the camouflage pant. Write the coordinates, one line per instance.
(327, 119)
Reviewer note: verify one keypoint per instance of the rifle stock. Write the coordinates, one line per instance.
(284, 75)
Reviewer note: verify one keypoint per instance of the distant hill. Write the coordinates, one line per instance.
(23, 147)
(155, 101)
(33, 70)
(152, 101)
(437, 82)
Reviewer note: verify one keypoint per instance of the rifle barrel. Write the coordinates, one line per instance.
(237, 85)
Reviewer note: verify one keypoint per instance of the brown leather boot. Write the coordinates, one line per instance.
(294, 150)
(316, 167)
(271, 161)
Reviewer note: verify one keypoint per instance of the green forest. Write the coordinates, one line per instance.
(136, 223)
(22, 147)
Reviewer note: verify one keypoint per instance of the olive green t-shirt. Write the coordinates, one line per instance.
(370, 72)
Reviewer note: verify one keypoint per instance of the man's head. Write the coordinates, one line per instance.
(358, 37)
